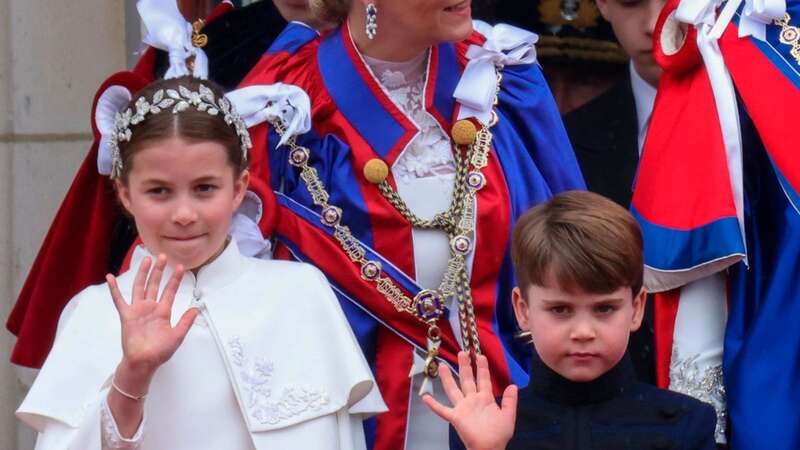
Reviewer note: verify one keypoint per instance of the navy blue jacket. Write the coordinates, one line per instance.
(613, 412)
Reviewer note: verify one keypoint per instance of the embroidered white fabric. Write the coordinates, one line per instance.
(703, 383)
(429, 154)
(256, 374)
(698, 340)
(112, 439)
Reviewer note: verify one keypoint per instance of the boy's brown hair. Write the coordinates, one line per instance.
(580, 240)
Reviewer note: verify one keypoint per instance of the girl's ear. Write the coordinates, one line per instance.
(123, 194)
(240, 188)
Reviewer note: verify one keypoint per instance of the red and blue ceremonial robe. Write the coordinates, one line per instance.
(89, 236)
(713, 198)
(353, 122)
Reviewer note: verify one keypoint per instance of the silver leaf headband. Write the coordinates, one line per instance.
(180, 100)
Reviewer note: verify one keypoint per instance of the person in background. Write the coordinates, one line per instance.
(608, 132)
(427, 139)
(577, 49)
(298, 11)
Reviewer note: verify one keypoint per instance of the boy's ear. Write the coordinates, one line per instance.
(521, 310)
(638, 309)
(123, 194)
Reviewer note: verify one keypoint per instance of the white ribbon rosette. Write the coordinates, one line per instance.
(505, 45)
(112, 101)
(169, 31)
(256, 104)
(275, 102)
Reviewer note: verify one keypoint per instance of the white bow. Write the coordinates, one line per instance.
(244, 228)
(112, 101)
(505, 45)
(275, 102)
(169, 31)
(756, 15)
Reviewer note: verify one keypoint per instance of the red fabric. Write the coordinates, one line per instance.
(665, 312)
(767, 93)
(392, 360)
(340, 270)
(378, 93)
(688, 57)
(688, 195)
(75, 252)
(492, 236)
(390, 231)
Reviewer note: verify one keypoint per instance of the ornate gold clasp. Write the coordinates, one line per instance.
(199, 39)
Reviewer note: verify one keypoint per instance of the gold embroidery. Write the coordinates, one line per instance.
(789, 35)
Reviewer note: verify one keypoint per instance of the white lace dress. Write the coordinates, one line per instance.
(424, 173)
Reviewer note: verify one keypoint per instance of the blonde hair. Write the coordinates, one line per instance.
(331, 11)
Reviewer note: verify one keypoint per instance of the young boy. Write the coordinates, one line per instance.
(578, 261)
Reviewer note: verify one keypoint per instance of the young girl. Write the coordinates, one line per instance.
(198, 346)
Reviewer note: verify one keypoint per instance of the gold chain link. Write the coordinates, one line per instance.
(457, 221)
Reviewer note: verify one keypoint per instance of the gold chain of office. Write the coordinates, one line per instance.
(458, 221)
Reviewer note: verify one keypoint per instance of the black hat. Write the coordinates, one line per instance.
(569, 30)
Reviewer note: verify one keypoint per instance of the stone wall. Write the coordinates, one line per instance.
(53, 56)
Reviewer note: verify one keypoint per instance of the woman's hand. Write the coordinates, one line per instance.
(480, 423)
(148, 338)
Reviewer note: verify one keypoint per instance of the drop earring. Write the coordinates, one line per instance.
(372, 20)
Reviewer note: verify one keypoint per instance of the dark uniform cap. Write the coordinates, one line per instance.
(569, 30)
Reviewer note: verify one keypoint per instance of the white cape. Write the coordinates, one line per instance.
(295, 376)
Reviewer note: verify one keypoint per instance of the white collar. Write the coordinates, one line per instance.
(222, 270)
(644, 95)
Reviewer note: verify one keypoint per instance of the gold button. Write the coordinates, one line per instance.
(375, 171)
(464, 132)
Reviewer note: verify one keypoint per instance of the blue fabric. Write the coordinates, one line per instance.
(790, 192)
(537, 160)
(292, 38)
(331, 158)
(762, 343)
(777, 52)
(530, 143)
(673, 249)
(354, 98)
(370, 254)
(447, 78)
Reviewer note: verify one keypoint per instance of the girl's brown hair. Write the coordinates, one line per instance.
(580, 240)
(190, 124)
